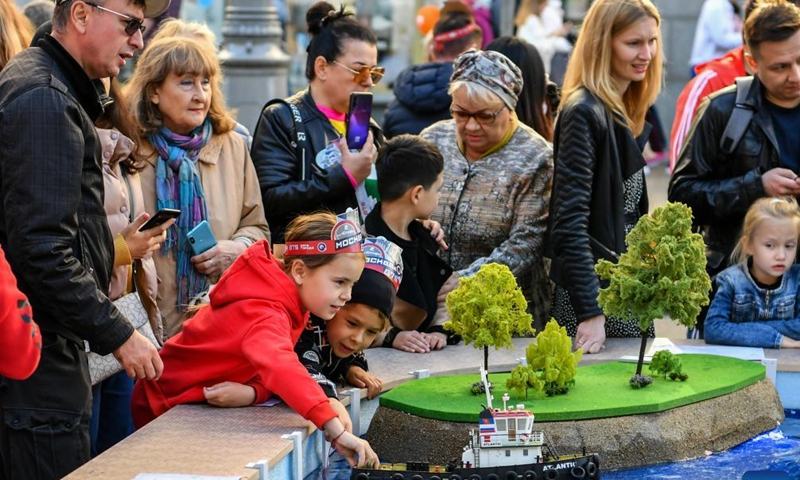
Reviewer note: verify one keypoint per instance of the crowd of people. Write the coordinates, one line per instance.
(482, 158)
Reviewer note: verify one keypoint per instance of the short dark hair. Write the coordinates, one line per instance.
(404, 162)
(771, 22)
(329, 28)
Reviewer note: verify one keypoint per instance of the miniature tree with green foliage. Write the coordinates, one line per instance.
(662, 274)
(487, 309)
(551, 363)
(665, 363)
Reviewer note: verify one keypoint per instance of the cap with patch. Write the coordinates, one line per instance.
(345, 238)
(381, 277)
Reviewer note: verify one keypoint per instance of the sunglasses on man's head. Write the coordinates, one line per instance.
(361, 75)
(131, 25)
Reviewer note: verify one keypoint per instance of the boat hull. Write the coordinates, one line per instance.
(581, 467)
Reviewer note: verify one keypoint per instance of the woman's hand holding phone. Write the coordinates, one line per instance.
(218, 258)
(359, 163)
(141, 243)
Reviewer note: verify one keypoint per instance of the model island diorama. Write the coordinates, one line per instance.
(427, 420)
(504, 446)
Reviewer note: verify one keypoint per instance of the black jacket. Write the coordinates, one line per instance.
(285, 190)
(421, 99)
(53, 226)
(316, 354)
(594, 155)
(718, 187)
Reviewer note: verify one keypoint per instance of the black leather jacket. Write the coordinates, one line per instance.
(284, 189)
(594, 155)
(718, 187)
(53, 226)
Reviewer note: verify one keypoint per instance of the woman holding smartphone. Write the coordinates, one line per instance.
(299, 176)
(196, 163)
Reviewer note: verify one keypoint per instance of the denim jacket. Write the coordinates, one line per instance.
(744, 314)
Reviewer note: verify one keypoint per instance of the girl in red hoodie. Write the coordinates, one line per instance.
(257, 312)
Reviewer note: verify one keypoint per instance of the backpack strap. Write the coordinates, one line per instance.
(740, 117)
(299, 141)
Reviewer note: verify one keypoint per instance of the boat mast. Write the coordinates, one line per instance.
(485, 380)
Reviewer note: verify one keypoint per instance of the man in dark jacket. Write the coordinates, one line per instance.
(720, 187)
(53, 228)
(420, 91)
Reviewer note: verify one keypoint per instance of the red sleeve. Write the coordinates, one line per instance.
(20, 340)
(269, 347)
(688, 102)
(262, 394)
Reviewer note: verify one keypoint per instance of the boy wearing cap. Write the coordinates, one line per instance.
(409, 182)
(332, 351)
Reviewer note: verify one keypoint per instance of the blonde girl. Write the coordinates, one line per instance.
(246, 335)
(756, 302)
(599, 189)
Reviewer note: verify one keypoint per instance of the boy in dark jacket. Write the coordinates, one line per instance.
(409, 180)
(333, 351)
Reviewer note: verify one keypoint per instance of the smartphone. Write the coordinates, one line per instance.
(160, 217)
(201, 238)
(357, 121)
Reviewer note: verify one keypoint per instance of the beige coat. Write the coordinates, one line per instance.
(117, 202)
(234, 205)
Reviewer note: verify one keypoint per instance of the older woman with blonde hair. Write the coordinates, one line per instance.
(497, 176)
(599, 189)
(195, 163)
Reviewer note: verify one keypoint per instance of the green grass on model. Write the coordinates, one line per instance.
(600, 391)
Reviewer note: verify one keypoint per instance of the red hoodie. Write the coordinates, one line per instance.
(711, 76)
(20, 340)
(249, 329)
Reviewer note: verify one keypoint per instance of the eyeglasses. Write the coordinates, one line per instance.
(361, 75)
(132, 24)
(483, 118)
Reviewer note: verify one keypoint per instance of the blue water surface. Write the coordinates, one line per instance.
(775, 451)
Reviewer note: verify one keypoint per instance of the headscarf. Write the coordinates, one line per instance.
(492, 70)
(178, 186)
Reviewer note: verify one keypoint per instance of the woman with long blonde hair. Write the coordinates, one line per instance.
(16, 31)
(599, 189)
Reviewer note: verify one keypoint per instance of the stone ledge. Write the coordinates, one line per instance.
(622, 442)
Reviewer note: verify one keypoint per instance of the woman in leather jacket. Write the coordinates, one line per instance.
(295, 149)
(599, 189)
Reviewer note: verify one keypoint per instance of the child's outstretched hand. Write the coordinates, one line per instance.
(351, 448)
(341, 411)
(230, 394)
(363, 379)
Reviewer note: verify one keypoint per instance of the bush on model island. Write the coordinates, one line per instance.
(551, 364)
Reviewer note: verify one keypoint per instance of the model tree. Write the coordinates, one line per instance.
(661, 275)
(551, 364)
(487, 309)
(666, 364)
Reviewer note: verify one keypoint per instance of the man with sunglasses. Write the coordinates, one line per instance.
(54, 231)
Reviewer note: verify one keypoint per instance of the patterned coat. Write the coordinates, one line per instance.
(495, 209)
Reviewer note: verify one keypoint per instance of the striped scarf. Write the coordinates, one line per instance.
(178, 186)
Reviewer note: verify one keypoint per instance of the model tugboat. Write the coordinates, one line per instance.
(504, 447)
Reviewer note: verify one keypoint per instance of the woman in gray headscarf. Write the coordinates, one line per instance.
(497, 177)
